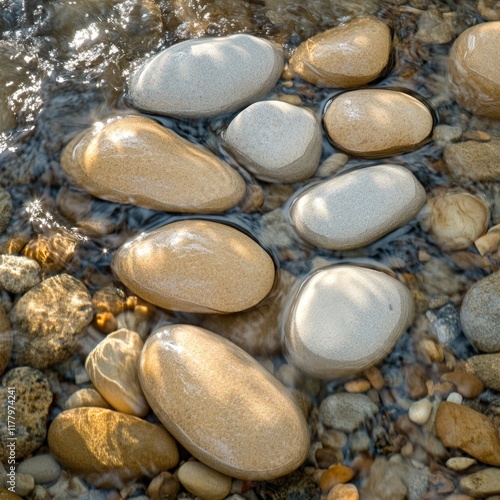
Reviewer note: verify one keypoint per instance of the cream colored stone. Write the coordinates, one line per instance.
(357, 208)
(474, 69)
(205, 267)
(377, 122)
(420, 411)
(460, 463)
(110, 449)
(86, 397)
(203, 481)
(6, 340)
(132, 159)
(345, 319)
(208, 76)
(222, 405)
(346, 56)
(112, 368)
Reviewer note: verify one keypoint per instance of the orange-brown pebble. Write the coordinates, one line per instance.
(8, 495)
(468, 385)
(336, 474)
(109, 299)
(358, 385)
(415, 378)
(343, 492)
(375, 378)
(105, 322)
(443, 388)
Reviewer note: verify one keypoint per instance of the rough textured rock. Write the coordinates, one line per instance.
(213, 75)
(346, 56)
(49, 320)
(480, 314)
(231, 395)
(5, 209)
(377, 122)
(206, 267)
(132, 159)
(461, 427)
(444, 323)
(6, 340)
(345, 319)
(357, 208)
(110, 449)
(32, 400)
(112, 367)
(487, 368)
(18, 274)
(473, 76)
(484, 483)
(204, 482)
(276, 141)
(437, 27)
(43, 468)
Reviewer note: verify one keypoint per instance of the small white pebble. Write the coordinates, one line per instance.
(455, 397)
(420, 411)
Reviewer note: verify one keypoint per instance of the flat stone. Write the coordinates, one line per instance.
(345, 319)
(132, 159)
(377, 122)
(460, 427)
(206, 267)
(276, 141)
(217, 393)
(5, 209)
(474, 69)
(18, 274)
(480, 314)
(487, 368)
(214, 75)
(203, 481)
(88, 396)
(49, 320)
(346, 412)
(484, 483)
(6, 340)
(347, 56)
(357, 208)
(112, 368)
(110, 449)
(460, 463)
(43, 468)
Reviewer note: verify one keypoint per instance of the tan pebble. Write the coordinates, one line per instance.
(407, 450)
(489, 242)
(358, 385)
(204, 482)
(8, 495)
(415, 378)
(87, 397)
(333, 438)
(343, 492)
(325, 457)
(477, 135)
(231, 269)
(6, 340)
(109, 448)
(458, 496)
(163, 487)
(135, 160)
(112, 367)
(377, 122)
(105, 322)
(460, 463)
(287, 84)
(336, 474)
(290, 99)
(442, 388)
(231, 395)
(442, 483)
(468, 385)
(484, 483)
(333, 163)
(254, 199)
(374, 377)
(317, 475)
(432, 351)
(346, 56)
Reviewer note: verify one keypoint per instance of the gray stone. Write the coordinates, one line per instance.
(346, 412)
(49, 320)
(444, 324)
(18, 274)
(482, 484)
(480, 314)
(436, 27)
(43, 468)
(213, 75)
(487, 368)
(445, 134)
(5, 210)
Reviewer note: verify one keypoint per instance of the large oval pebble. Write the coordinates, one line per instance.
(196, 266)
(345, 319)
(474, 69)
(377, 122)
(346, 56)
(221, 404)
(110, 449)
(357, 208)
(135, 160)
(208, 76)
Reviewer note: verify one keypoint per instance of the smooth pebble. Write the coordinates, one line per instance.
(420, 411)
(43, 468)
(203, 481)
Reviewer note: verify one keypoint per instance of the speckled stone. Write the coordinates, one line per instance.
(49, 320)
(377, 122)
(357, 208)
(460, 463)
(203, 481)
(43, 468)
(112, 368)
(33, 398)
(206, 267)
(213, 75)
(276, 141)
(110, 449)
(482, 484)
(474, 69)
(132, 159)
(231, 395)
(88, 396)
(347, 56)
(487, 368)
(18, 274)
(5, 209)
(6, 340)
(345, 319)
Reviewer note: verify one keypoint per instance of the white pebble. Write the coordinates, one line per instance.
(455, 397)
(420, 411)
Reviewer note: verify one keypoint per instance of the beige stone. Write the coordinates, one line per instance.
(132, 159)
(85, 397)
(6, 340)
(482, 484)
(377, 122)
(112, 368)
(474, 69)
(110, 449)
(205, 267)
(460, 463)
(222, 405)
(203, 481)
(346, 56)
